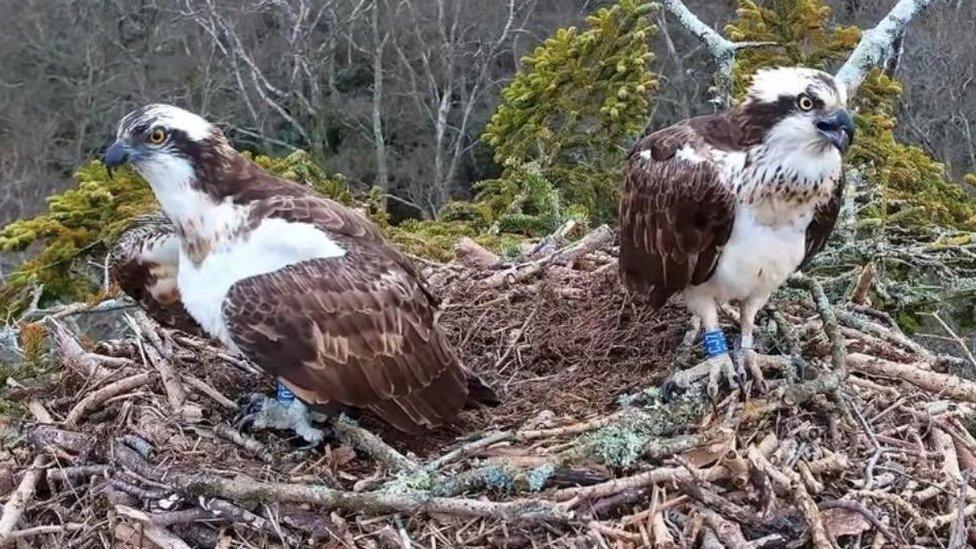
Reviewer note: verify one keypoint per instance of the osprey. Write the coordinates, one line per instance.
(144, 263)
(304, 287)
(725, 207)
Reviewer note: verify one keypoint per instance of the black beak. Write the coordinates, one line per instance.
(837, 128)
(115, 156)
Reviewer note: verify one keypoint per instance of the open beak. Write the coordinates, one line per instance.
(837, 128)
(115, 156)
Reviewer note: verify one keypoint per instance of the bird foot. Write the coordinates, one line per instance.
(735, 369)
(263, 412)
(747, 364)
(714, 368)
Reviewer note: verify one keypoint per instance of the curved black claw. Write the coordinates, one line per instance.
(250, 406)
(671, 390)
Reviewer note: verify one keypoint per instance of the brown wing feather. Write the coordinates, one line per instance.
(144, 263)
(356, 330)
(822, 224)
(674, 215)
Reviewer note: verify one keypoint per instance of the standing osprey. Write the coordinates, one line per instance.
(304, 287)
(144, 263)
(725, 207)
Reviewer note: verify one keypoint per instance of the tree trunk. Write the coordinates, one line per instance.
(382, 167)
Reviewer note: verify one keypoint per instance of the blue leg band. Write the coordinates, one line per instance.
(284, 395)
(714, 343)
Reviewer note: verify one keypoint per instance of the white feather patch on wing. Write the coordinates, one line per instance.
(689, 154)
(273, 245)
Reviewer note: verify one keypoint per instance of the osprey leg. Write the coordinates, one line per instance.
(718, 362)
(747, 355)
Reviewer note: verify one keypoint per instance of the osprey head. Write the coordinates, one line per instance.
(161, 142)
(801, 108)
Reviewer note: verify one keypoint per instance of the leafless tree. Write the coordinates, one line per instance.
(446, 61)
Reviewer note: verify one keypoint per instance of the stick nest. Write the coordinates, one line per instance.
(129, 442)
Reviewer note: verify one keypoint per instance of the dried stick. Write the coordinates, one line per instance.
(955, 337)
(208, 390)
(101, 395)
(946, 385)
(43, 530)
(249, 443)
(73, 355)
(161, 537)
(47, 436)
(157, 354)
(19, 499)
(372, 445)
(519, 510)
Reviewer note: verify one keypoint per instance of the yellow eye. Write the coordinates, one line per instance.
(804, 102)
(157, 136)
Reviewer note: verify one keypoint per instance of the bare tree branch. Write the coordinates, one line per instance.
(877, 44)
(721, 49)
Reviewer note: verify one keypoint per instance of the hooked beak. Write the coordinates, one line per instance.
(115, 156)
(837, 128)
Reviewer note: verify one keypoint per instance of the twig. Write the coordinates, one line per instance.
(373, 446)
(206, 389)
(721, 49)
(44, 530)
(158, 354)
(468, 449)
(955, 337)
(249, 443)
(19, 499)
(946, 385)
(101, 395)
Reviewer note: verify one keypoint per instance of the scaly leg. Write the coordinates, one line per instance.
(747, 355)
(283, 412)
(719, 363)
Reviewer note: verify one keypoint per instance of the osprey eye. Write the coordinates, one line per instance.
(804, 102)
(157, 136)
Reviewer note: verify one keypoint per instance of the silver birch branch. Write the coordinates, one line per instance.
(877, 44)
(721, 49)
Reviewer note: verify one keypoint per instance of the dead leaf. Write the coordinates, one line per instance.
(844, 522)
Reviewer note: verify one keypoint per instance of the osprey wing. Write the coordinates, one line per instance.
(356, 330)
(676, 213)
(824, 219)
(144, 263)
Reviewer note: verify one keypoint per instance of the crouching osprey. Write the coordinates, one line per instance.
(304, 287)
(725, 207)
(144, 263)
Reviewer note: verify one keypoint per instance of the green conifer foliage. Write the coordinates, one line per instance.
(580, 96)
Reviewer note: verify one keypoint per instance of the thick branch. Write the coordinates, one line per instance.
(524, 510)
(721, 49)
(877, 44)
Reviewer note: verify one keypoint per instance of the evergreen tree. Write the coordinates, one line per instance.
(579, 98)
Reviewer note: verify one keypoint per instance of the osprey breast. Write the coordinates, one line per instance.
(271, 246)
